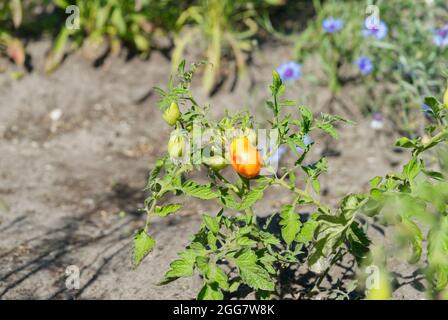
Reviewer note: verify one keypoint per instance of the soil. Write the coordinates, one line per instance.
(76, 147)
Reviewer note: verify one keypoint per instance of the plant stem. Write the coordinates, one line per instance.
(298, 191)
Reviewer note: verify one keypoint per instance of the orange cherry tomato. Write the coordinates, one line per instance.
(245, 158)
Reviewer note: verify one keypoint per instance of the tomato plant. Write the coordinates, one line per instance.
(234, 249)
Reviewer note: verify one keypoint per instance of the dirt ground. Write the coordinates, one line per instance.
(71, 183)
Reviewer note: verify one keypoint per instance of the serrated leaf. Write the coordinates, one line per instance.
(143, 244)
(306, 234)
(328, 128)
(246, 258)
(216, 274)
(256, 277)
(210, 292)
(204, 192)
(180, 268)
(245, 241)
(211, 223)
(358, 242)
(290, 223)
(307, 118)
(168, 209)
(253, 196)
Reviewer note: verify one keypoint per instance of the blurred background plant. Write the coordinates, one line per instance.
(396, 50)
(107, 25)
(11, 16)
(414, 204)
(409, 60)
(221, 28)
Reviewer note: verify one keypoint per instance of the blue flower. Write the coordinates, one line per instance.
(374, 29)
(427, 111)
(290, 71)
(306, 141)
(365, 65)
(332, 25)
(440, 37)
(426, 108)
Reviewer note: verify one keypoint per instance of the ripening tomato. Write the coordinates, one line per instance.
(245, 158)
(172, 114)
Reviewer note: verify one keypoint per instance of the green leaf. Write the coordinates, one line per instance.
(118, 21)
(328, 128)
(415, 236)
(307, 118)
(234, 286)
(375, 181)
(276, 83)
(316, 185)
(143, 244)
(204, 192)
(256, 277)
(211, 223)
(179, 268)
(216, 274)
(438, 253)
(405, 143)
(57, 52)
(168, 209)
(246, 258)
(245, 241)
(290, 223)
(253, 196)
(358, 242)
(306, 234)
(210, 292)
(411, 169)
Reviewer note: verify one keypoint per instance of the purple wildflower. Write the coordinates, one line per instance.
(373, 28)
(365, 65)
(332, 25)
(290, 71)
(440, 37)
(306, 141)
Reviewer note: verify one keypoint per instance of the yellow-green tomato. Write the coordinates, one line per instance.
(383, 291)
(172, 114)
(176, 146)
(217, 163)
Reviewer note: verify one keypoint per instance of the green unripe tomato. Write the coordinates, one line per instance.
(176, 145)
(172, 114)
(217, 163)
(383, 291)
